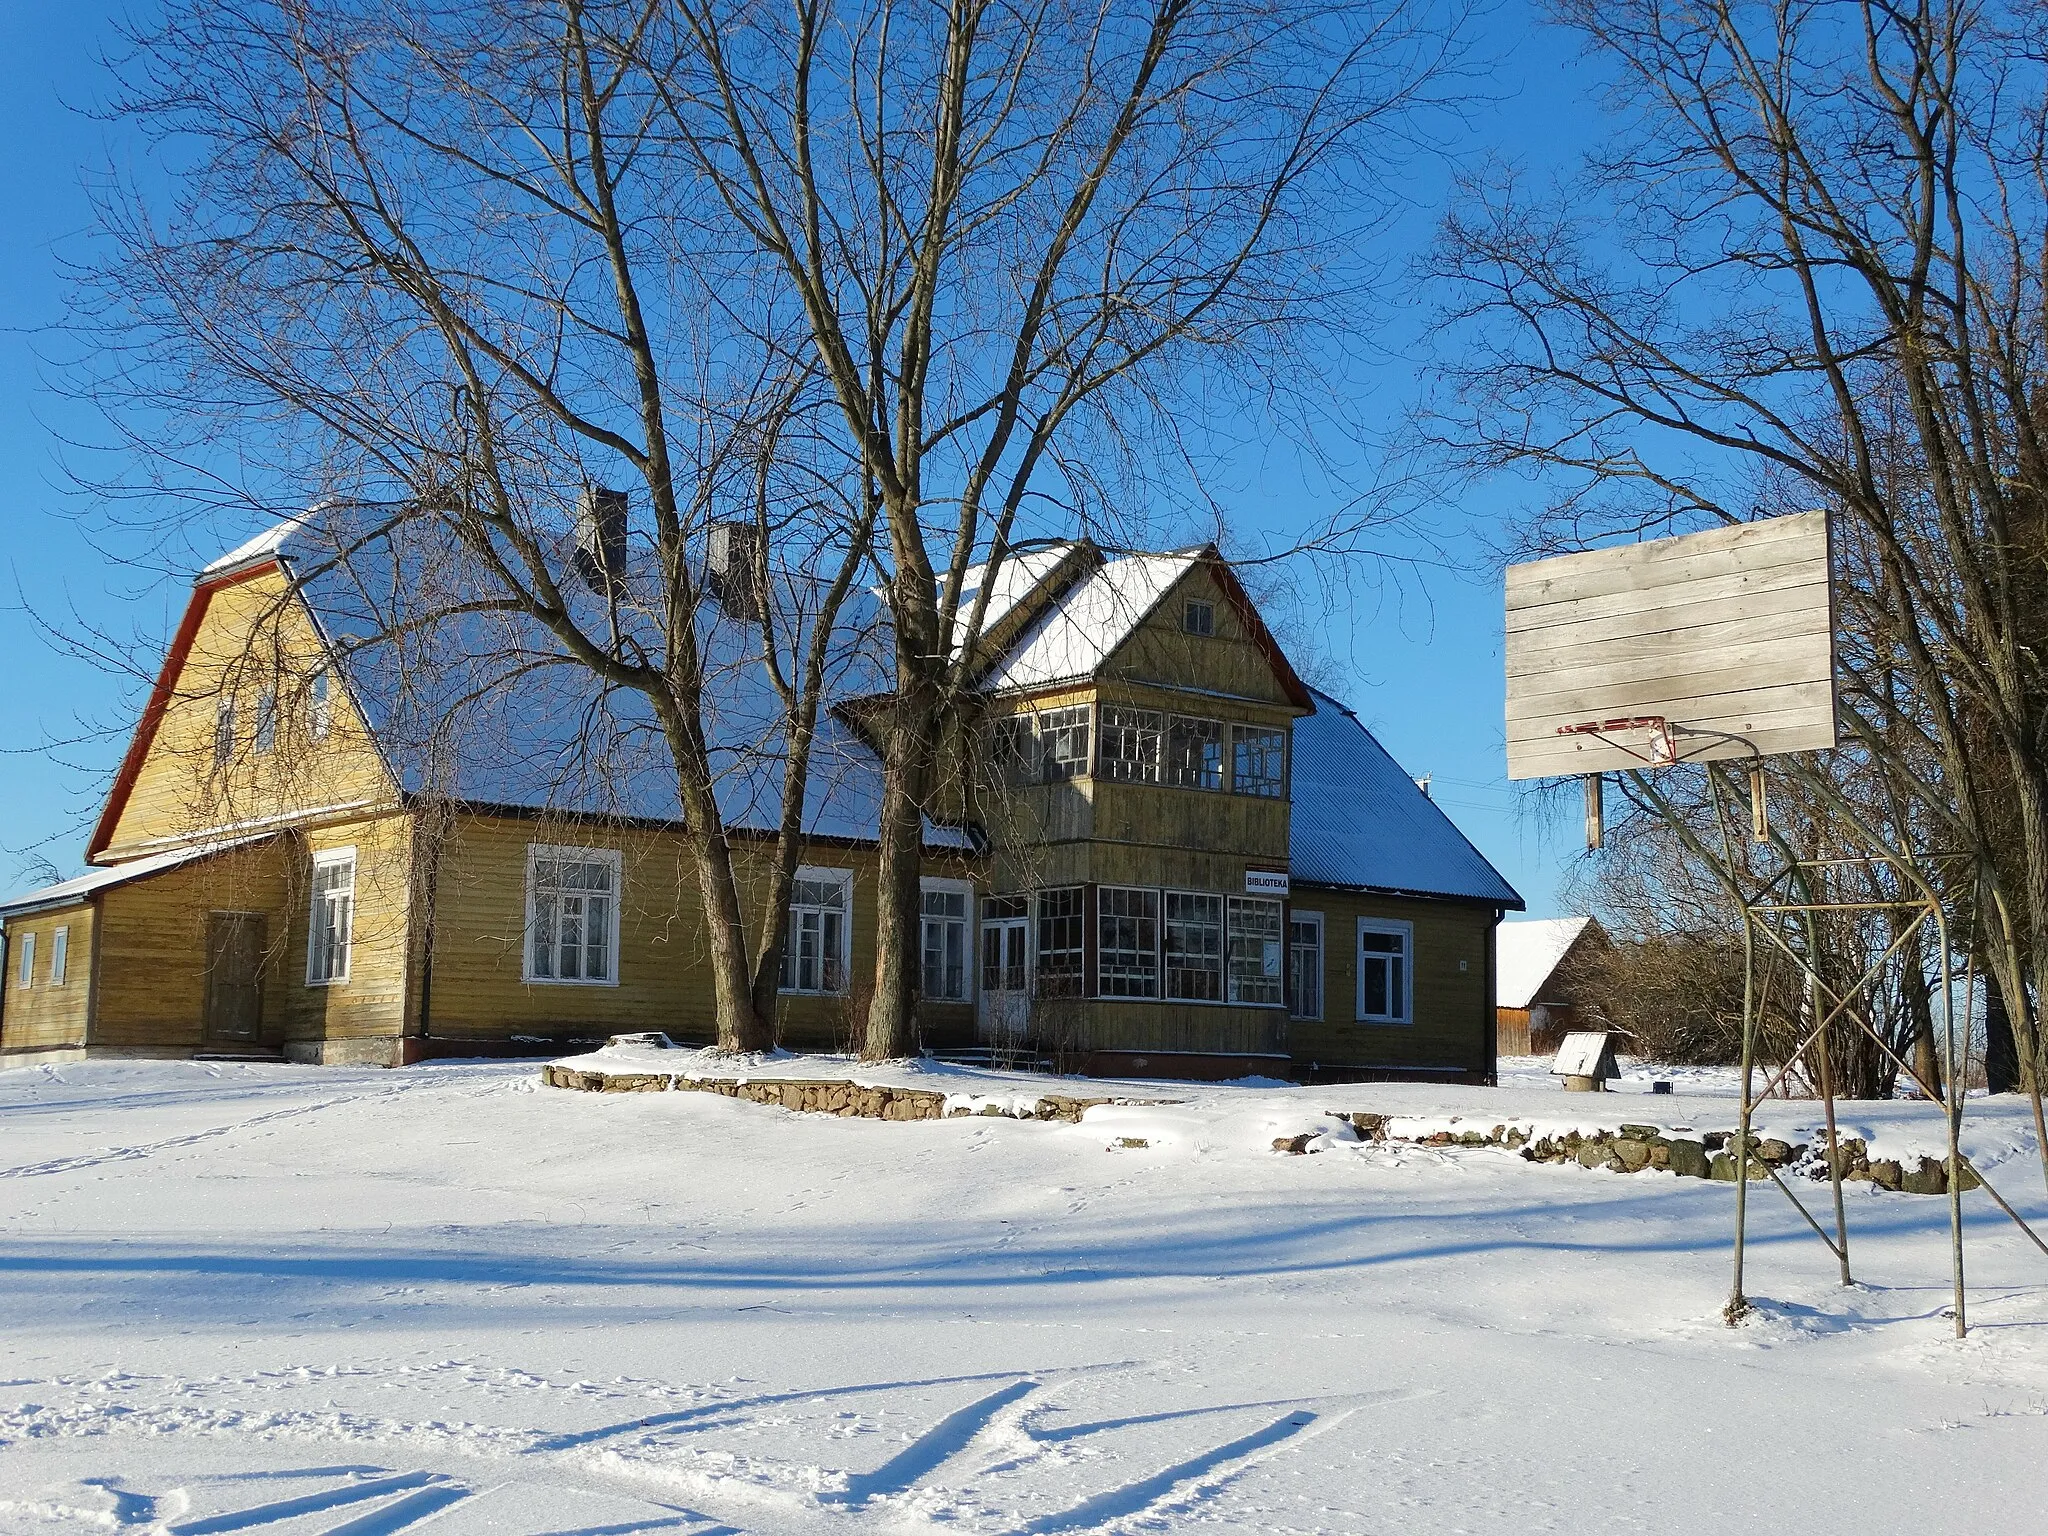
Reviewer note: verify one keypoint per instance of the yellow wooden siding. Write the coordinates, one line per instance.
(1228, 662)
(254, 637)
(1452, 1009)
(373, 1002)
(45, 1015)
(152, 951)
(664, 973)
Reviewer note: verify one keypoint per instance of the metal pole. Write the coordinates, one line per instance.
(1738, 1303)
(1827, 1099)
(1958, 1073)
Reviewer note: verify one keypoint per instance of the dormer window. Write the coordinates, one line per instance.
(1198, 617)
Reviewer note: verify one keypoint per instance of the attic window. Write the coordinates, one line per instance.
(1198, 617)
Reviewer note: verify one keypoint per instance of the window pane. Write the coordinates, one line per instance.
(1194, 947)
(1063, 742)
(1061, 914)
(1194, 753)
(1383, 974)
(1255, 951)
(1256, 763)
(1305, 968)
(1127, 942)
(1131, 744)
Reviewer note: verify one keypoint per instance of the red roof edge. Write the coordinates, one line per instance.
(159, 701)
(1248, 615)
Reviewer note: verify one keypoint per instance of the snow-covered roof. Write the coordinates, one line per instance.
(1016, 578)
(1358, 819)
(69, 892)
(1079, 633)
(1527, 954)
(263, 547)
(487, 707)
(1585, 1053)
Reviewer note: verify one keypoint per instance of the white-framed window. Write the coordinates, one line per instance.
(1258, 952)
(1386, 963)
(1062, 940)
(1131, 741)
(331, 931)
(1063, 742)
(266, 720)
(1305, 965)
(319, 705)
(60, 955)
(1126, 942)
(25, 965)
(1198, 617)
(817, 954)
(572, 915)
(224, 731)
(947, 905)
(1013, 749)
(1005, 938)
(1194, 946)
(1258, 757)
(1194, 753)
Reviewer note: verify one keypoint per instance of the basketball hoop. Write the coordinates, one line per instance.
(1658, 745)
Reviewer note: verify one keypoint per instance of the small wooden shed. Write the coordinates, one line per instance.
(1533, 998)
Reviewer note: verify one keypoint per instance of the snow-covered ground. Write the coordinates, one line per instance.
(447, 1301)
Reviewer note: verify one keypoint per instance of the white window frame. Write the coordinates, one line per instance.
(25, 968)
(60, 954)
(969, 957)
(1314, 920)
(1266, 736)
(535, 852)
(843, 878)
(265, 739)
(225, 725)
(319, 705)
(1206, 627)
(1066, 725)
(326, 858)
(1272, 952)
(1130, 744)
(1166, 952)
(1390, 927)
(1118, 988)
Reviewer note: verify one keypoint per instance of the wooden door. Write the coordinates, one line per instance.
(1005, 980)
(235, 942)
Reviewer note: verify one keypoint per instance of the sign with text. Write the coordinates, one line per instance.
(1265, 882)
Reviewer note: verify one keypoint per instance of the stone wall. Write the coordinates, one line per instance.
(824, 1096)
(1702, 1155)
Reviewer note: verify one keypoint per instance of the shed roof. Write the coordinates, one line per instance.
(67, 893)
(1359, 820)
(1527, 954)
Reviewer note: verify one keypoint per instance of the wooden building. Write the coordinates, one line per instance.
(1171, 857)
(1538, 1002)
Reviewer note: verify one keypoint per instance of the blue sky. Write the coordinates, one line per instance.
(1422, 666)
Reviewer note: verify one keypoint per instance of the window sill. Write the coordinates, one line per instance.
(561, 981)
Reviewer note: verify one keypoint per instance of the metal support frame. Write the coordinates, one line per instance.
(1797, 892)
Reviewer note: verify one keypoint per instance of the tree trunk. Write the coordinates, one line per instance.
(892, 1009)
(2001, 1051)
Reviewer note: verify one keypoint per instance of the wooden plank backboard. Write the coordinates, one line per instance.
(1730, 631)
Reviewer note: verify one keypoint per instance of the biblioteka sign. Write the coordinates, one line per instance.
(1265, 882)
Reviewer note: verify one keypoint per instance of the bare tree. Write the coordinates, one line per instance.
(440, 267)
(1018, 240)
(1810, 260)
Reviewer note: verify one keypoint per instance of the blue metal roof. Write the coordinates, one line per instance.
(1358, 820)
(487, 707)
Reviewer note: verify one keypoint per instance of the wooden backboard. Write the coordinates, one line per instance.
(1727, 634)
